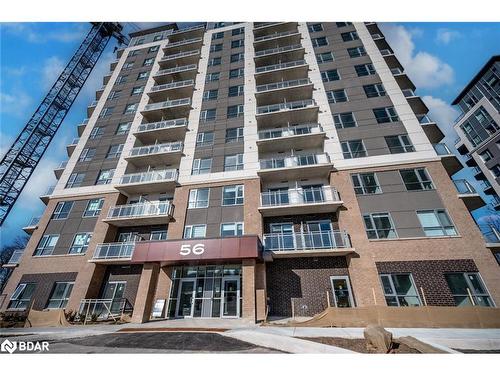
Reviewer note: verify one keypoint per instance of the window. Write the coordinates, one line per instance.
(207, 114)
(232, 195)
(231, 229)
(486, 155)
(353, 149)
(237, 57)
(336, 96)
(121, 79)
(127, 66)
(62, 210)
(235, 90)
(356, 52)
(158, 235)
(347, 37)
(142, 75)
(379, 225)
(386, 114)
(234, 135)
(344, 120)
(366, 183)
(330, 75)
(436, 223)
(195, 231)
(216, 47)
(87, 154)
(205, 139)
(238, 31)
(218, 25)
(123, 128)
(96, 132)
(60, 295)
(399, 290)
(495, 170)
(343, 24)
(114, 151)
(214, 61)
(237, 43)
(315, 27)
(364, 70)
(235, 111)
(464, 286)
(218, 35)
(113, 95)
(324, 57)
(138, 42)
(319, 42)
(399, 144)
(233, 162)
(134, 53)
(201, 166)
(154, 49)
(416, 179)
(47, 244)
(236, 73)
(211, 77)
(105, 176)
(198, 198)
(21, 297)
(210, 94)
(138, 90)
(148, 62)
(373, 91)
(75, 180)
(94, 207)
(80, 243)
(106, 112)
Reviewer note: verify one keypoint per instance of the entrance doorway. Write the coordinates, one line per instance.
(230, 298)
(185, 299)
(342, 293)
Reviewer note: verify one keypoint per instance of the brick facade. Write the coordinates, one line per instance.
(44, 285)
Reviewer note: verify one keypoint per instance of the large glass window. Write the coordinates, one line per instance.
(468, 289)
(94, 207)
(319, 42)
(237, 43)
(87, 154)
(62, 210)
(386, 114)
(60, 295)
(80, 243)
(75, 180)
(353, 149)
(366, 183)
(205, 139)
(233, 162)
(364, 70)
(347, 37)
(315, 27)
(158, 235)
(195, 231)
(324, 57)
(123, 128)
(373, 91)
(436, 223)
(198, 198)
(47, 244)
(201, 166)
(336, 96)
(212, 77)
(330, 75)
(236, 73)
(231, 229)
(234, 135)
(210, 95)
(356, 52)
(399, 144)
(416, 179)
(21, 297)
(114, 151)
(235, 111)
(235, 90)
(208, 114)
(232, 195)
(237, 57)
(379, 225)
(344, 120)
(105, 177)
(400, 290)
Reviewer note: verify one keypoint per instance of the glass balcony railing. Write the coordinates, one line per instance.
(294, 161)
(306, 241)
(151, 176)
(33, 222)
(442, 149)
(151, 126)
(180, 54)
(50, 190)
(15, 257)
(283, 85)
(62, 165)
(156, 149)
(302, 129)
(275, 35)
(270, 68)
(180, 31)
(424, 119)
(183, 42)
(272, 51)
(397, 71)
(117, 250)
(168, 104)
(408, 93)
(137, 210)
(285, 106)
(288, 197)
(74, 141)
(386, 52)
(177, 69)
(172, 85)
(464, 187)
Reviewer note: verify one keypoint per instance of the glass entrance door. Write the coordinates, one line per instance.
(185, 299)
(114, 291)
(230, 298)
(342, 293)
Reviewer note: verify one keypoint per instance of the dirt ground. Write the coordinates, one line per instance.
(359, 345)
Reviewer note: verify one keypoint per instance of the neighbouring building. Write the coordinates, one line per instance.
(244, 169)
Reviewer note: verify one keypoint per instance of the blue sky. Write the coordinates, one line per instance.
(439, 57)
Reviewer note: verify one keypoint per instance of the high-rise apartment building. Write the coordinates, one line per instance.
(245, 169)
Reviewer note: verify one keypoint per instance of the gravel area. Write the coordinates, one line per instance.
(359, 345)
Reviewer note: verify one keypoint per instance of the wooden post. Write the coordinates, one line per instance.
(423, 296)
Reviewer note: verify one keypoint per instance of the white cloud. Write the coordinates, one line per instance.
(15, 103)
(425, 69)
(33, 34)
(444, 115)
(445, 36)
(52, 67)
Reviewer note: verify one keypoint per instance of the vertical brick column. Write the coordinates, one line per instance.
(163, 286)
(248, 289)
(260, 291)
(145, 293)
(88, 283)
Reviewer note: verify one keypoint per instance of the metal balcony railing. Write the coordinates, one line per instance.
(283, 84)
(408, 93)
(377, 36)
(177, 69)
(442, 149)
(156, 149)
(103, 309)
(288, 197)
(294, 161)
(290, 131)
(306, 241)
(477, 170)
(396, 71)
(116, 250)
(275, 35)
(270, 68)
(183, 42)
(136, 210)
(180, 31)
(285, 106)
(93, 104)
(15, 257)
(262, 25)
(74, 141)
(464, 187)
(50, 190)
(271, 51)
(172, 85)
(180, 54)
(150, 126)
(151, 176)
(386, 52)
(168, 104)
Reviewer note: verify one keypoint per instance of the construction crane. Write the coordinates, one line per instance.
(25, 153)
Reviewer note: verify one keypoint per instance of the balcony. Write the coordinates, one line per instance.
(277, 39)
(402, 79)
(281, 72)
(299, 201)
(303, 244)
(261, 29)
(302, 111)
(81, 127)
(468, 194)
(145, 213)
(114, 253)
(45, 198)
(470, 161)
(170, 130)
(478, 173)
(159, 154)
(295, 137)
(167, 110)
(495, 202)
(449, 159)
(14, 260)
(32, 225)
(182, 45)
(71, 147)
(153, 181)
(173, 90)
(416, 103)
(192, 31)
(431, 129)
(60, 169)
(178, 73)
(295, 167)
(277, 55)
(91, 107)
(180, 59)
(294, 90)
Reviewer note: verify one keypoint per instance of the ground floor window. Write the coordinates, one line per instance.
(21, 297)
(400, 290)
(60, 295)
(468, 289)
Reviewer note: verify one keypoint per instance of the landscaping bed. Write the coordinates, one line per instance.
(359, 345)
